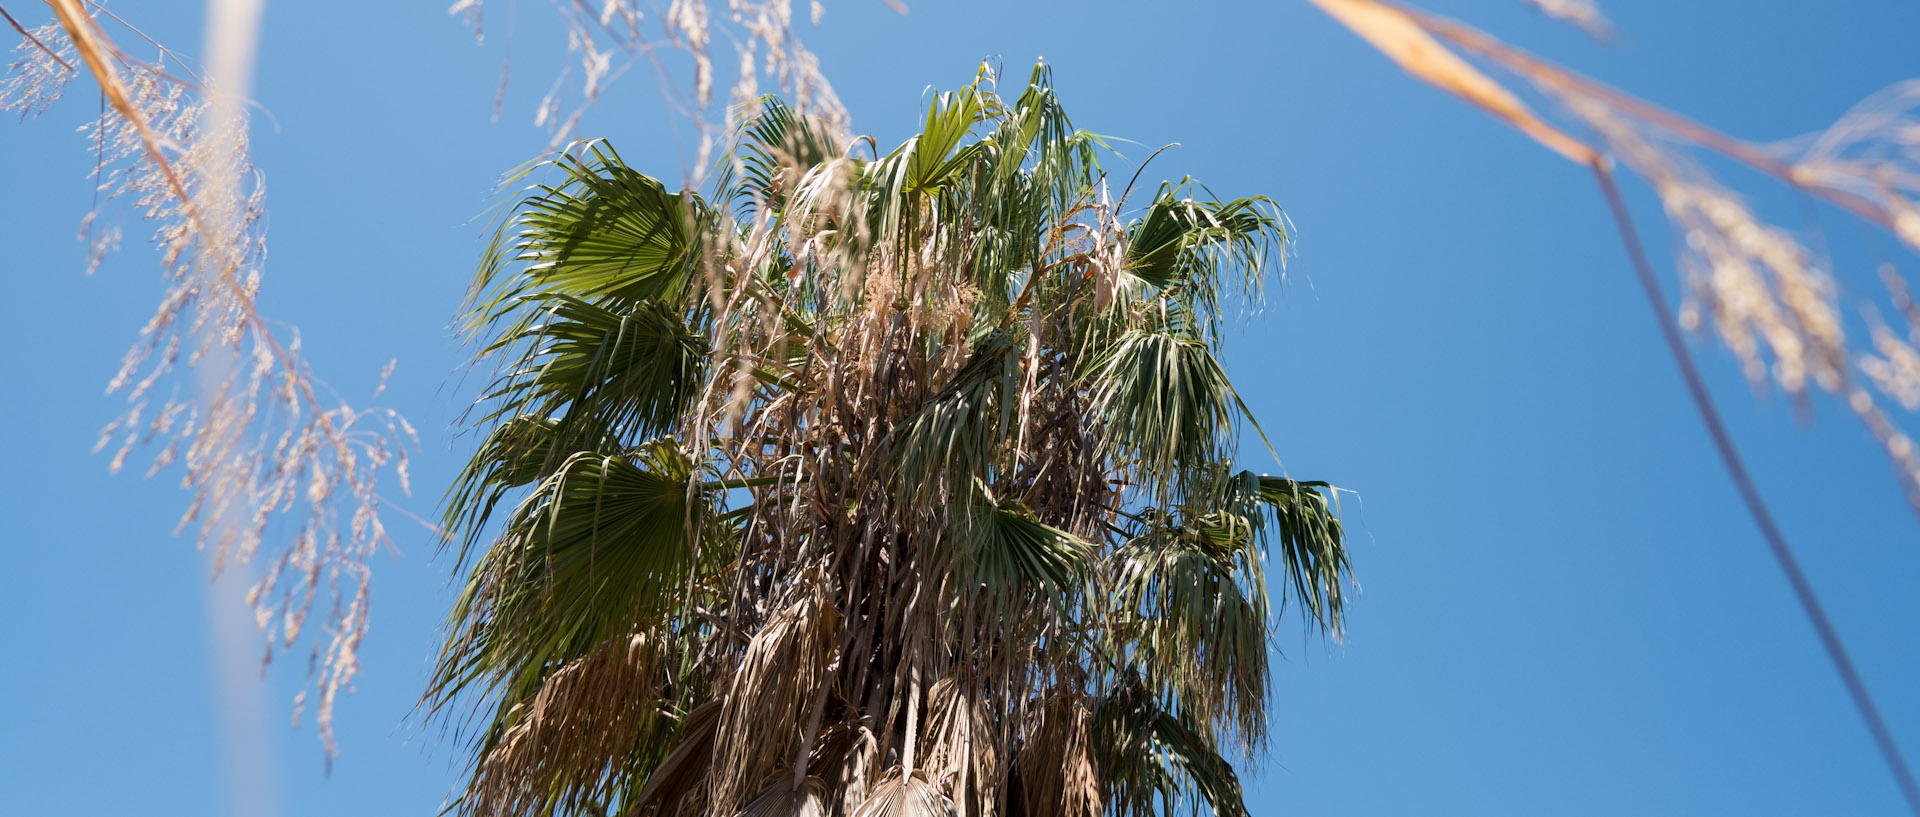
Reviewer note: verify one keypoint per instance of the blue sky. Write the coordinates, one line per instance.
(1564, 608)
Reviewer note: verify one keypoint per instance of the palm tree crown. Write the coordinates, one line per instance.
(896, 485)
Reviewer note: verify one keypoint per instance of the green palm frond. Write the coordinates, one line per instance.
(601, 546)
(1192, 621)
(518, 452)
(635, 369)
(936, 155)
(1155, 758)
(955, 435)
(604, 231)
(1166, 403)
(1017, 560)
(777, 146)
(1305, 523)
(1198, 250)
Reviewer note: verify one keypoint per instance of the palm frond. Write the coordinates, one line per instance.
(936, 154)
(955, 435)
(1155, 758)
(781, 798)
(962, 757)
(1017, 560)
(604, 231)
(684, 772)
(777, 147)
(1312, 543)
(1059, 765)
(906, 796)
(767, 700)
(1190, 622)
(571, 743)
(1166, 404)
(518, 452)
(601, 548)
(1198, 250)
(635, 368)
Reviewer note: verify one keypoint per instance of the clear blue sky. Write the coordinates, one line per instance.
(1565, 609)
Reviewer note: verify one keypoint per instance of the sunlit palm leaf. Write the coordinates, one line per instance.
(1198, 250)
(605, 231)
(1312, 543)
(1018, 560)
(635, 369)
(601, 546)
(516, 453)
(777, 146)
(1167, 405)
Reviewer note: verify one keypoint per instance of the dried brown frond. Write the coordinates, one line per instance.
(906, 795)
(1059, 765)
(679, 783)
(964, 748)
(778, 685)
(780, 799)
(587, 718)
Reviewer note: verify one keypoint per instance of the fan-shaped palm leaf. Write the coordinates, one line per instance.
(605, 231)
(635, 369)
(602, 545)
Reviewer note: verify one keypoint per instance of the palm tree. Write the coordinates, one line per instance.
(896, 485)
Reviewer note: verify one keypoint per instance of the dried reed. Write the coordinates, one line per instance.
(264, 454)
(609, 37)
(1767, 297)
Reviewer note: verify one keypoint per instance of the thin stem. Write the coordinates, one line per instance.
(168, 52)
(32, 39)
(1122, 203)
(1750, 494)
